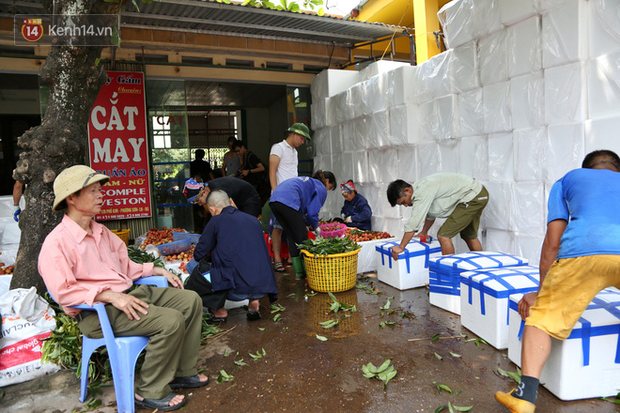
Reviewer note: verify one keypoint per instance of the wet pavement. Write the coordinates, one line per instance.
(294, 371)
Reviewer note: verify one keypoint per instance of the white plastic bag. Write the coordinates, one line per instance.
(26, 319)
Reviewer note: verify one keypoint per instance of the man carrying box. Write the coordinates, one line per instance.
(580, 257)
(459, 198)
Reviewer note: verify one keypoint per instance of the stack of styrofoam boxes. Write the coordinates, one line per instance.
(586, 364)
(485, 300)
(445, 282)
(411, 270)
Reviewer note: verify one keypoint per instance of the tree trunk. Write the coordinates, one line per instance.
(61, 140)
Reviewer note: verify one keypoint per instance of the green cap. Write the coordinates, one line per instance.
(300, 129)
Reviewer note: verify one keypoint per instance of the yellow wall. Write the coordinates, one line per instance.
(418, 14)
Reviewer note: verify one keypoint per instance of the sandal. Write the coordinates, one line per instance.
(253, 315)
(160, 404)
(188, 382)
(279, 267)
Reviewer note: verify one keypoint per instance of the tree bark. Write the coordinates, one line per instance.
(75, 79)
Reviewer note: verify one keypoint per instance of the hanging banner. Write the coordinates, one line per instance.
(118, 146)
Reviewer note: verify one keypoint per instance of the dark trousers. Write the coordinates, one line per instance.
(293, 224)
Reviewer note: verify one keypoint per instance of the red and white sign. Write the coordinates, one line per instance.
(118, 146)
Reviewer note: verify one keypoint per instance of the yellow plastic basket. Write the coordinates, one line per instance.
(122, 234)
(331, 273)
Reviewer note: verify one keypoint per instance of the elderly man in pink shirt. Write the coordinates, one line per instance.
(82, 262)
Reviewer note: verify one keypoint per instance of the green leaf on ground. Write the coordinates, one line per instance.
(455, 355)
(438, 356)
(321, 337)
(516, 376)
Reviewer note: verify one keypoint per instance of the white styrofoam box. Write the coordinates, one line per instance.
(450, 156)
(565, 34)
(527, 101)
(367, 257)
(354, 99)
(471, 112)
(378, 129)
(411, 268)
(463, 67)
(528, 149)
(407, 165)
(322, 141)
(501, 157)
(457, 18)
(377, 68)
(544, 6)
(493, 58)
(474, 157)
(499, 209)
(394, 226)
(340, 107)
(445, 283)
(335, 137)
(487, 17)
(319, 116)
(604, 86)
(404, 124)
(379, 161)
(330, 82)
(524, 47)
(432, 77)
(428, 159)
(439, 118)
(375, 94)
(373, 195)
(496, 107)
(565, 93)
(604, 27)
(602, 134)
(500, 240)
(378, 223)
(347, 168)
(337, 165)
(512, 11)
(323, 162)
(585, 365)
(402, 85)
(360, 166)
(529, 246)
(529, 211)
(564, 150)
(485, 300)
(355, 134)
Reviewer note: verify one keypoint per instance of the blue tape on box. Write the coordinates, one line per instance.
(489, 276)
(384, 250)
(444, 277)
(587, 331)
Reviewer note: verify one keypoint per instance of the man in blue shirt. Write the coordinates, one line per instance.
(240, 268)
(580, 257)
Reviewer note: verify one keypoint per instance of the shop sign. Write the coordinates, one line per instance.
(118, 146)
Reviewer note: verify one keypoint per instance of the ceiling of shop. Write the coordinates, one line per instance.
(234, 20)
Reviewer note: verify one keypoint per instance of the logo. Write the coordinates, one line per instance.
(32, 29)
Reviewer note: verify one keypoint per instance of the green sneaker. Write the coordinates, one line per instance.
(299, 267)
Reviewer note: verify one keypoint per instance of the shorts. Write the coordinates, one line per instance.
(465, 219)
(274, 222)
(568, 289)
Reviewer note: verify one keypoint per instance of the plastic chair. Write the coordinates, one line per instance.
(123, 352)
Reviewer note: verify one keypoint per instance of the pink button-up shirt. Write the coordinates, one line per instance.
(77, 266)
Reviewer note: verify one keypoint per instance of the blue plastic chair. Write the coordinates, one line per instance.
(123, 352)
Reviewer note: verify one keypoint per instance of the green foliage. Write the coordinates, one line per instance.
(385, 372)
(136, 254)
(224, 377)
(328, 246)
(291, 6)
(614, 401)
(516, 376)
(336, 305)
(321, 337)
(452, 408)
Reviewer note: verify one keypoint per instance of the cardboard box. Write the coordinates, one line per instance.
(445, 271)
(485, 300)
(587, 364)
(411, 268)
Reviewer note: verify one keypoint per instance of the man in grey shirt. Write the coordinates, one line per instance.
(458, 198)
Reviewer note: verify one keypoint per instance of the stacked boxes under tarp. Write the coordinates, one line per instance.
(411, 268)
(587, 364)
(445, 282)
(485, 300)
